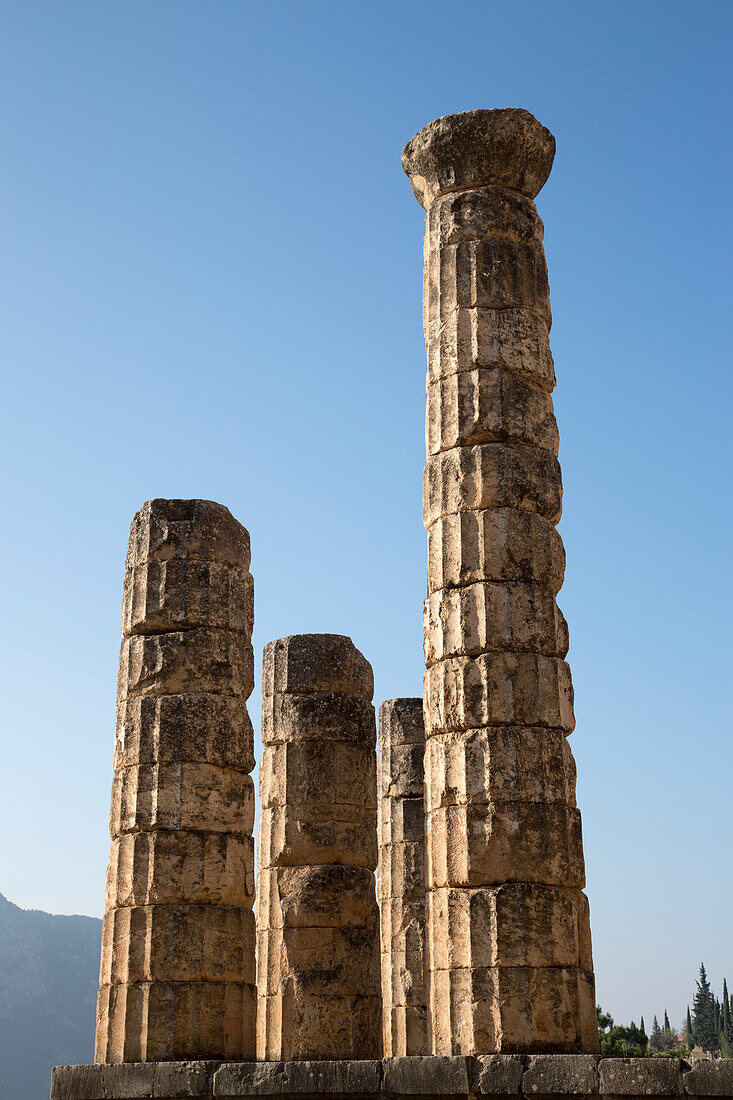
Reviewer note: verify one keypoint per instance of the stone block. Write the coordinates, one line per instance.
(497, 544)
(299, 835)
(77, 1083)
(495, 616)
(504, 842)
(177, 943)
(400, 769)
(493, 274)
(324, 960)
(131, 1080)
(193, 529)
(192, 729)
(181, 594)
(402, 869)
(470, 338)
(401, 820)
(557, 1075)
(486, 213)
(498, 1075)
(640, 1077)
(515, 689)
(405, 1031)
(320, 716)
(174, 867)
(714, 1078)
(516, 924)
(315, 663)
(343, 1077)
(585, 947)
(402, 922)
(488, 405)
(404, 975)
(492, 475)
(512, 1010)
(174, 1021)
(200, 660)
(204, 797)
(431, 1076)
(318, 774)
(179, 1079)
(249, 1079)
(499, 764)
(299, 1025)
(312, 897)
(401, 722)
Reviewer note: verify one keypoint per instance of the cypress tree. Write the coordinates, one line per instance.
(642, 1029)
(667, 1031)
(688, 1030)
(655, 1041)
(726, 1025)
(703, 1009)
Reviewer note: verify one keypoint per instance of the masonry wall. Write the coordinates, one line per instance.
(513, 1077)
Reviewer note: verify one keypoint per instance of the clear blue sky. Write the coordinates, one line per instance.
(211, 287)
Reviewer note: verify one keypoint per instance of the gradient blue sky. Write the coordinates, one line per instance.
(211, 287)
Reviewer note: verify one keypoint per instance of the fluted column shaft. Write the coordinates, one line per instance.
(508, 924)
(401, 877)
(317, 918)
(178, 940)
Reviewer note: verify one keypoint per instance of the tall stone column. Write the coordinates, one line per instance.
(401, 877)
(178, 940)
(317, 917)
(508, 923)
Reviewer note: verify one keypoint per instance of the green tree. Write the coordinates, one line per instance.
(703, 1014)
(667, 1034)
(618, 1041)
(689, 1038)
(726, 1024)
(656, 1041)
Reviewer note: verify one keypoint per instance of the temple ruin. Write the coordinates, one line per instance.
(464, 966)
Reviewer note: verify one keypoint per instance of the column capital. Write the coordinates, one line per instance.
(504, 147)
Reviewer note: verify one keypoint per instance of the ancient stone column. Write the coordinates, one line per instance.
(508, 923)
(178, 941)
(401, 877)
(317, 918)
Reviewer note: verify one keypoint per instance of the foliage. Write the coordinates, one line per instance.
(705, 1028)
(709, 1025)
(618, 1041)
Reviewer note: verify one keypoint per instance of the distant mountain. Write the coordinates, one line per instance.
(49, 969)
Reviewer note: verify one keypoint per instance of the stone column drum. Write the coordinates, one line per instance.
(508, 923)
(178, 942)
(317, 918)
(401, 877)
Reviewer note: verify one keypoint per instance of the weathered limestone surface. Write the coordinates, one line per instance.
(544, 1077)
(401, 877)
(177, 974)
(510, 967)
(318, 981)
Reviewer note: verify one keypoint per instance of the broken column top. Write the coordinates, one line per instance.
(401, 721)
(305, 663)
(504, 147)
(195, 529)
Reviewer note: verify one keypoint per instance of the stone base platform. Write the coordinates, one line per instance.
(522, 1077)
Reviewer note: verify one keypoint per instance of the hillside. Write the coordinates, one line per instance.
(49, 968)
